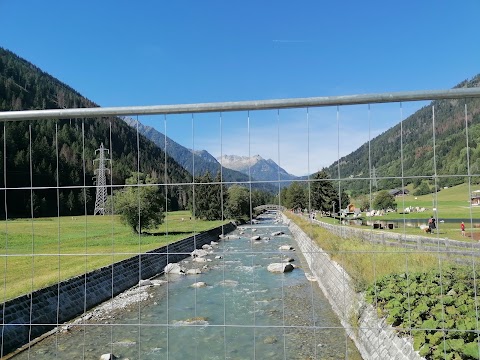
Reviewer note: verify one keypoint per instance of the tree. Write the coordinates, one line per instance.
(238, 202)
(323, 193)
(422, 189)
(260, 197)
(384, 201)
(208, 197)
(363, 202)
(140, 204)
(296, 198)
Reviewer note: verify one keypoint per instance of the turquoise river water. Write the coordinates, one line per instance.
(243, 312)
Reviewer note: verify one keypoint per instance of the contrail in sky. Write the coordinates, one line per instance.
(291, 41)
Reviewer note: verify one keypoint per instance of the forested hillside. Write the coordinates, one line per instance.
(24, 86)
(418, 150)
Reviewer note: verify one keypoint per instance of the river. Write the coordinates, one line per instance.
(244, 312)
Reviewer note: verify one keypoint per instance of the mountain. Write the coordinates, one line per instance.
(202, 159)
(257, 167)
(418, 148)
(23, 86)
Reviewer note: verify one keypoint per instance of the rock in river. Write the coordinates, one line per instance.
(174, 269)
(286, 247)
(198, 284)
(280, 267)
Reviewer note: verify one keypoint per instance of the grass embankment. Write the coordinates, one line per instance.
(41, 252)
(363, 261)
(433, 301)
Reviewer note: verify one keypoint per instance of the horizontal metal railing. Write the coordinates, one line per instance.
(290, 103)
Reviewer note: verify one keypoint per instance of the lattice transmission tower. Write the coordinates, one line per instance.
(101, 180)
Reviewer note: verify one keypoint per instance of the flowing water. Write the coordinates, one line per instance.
(244, 312)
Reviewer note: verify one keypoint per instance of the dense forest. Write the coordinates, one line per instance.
(24, 86)
(417, 140)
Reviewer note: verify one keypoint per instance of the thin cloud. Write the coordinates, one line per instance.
(291, 41)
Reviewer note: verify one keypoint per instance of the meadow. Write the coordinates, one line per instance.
(452, 203)
(36, 253)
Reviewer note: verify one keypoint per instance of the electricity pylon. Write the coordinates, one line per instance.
(101, 181)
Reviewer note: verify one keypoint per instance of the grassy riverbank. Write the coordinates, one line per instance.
(423, 296)
(40, 252)
(366, 262)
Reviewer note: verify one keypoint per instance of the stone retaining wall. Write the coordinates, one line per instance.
(29, 316)
(374, 338)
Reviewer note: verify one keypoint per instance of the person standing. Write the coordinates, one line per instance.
(462, 228)
(431, 224)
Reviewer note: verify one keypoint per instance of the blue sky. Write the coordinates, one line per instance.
(120, 53)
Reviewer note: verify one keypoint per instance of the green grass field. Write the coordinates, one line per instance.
(30, 249)
(451, 203)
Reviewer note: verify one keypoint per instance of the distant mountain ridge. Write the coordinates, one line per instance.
(257, 167)
(202, 160)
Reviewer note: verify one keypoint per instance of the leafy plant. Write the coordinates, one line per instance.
(427, 305)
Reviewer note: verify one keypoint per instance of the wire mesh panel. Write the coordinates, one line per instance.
(124, 237)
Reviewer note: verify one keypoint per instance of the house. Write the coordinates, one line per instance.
(399, 192)
(475, 198)
(351, 209)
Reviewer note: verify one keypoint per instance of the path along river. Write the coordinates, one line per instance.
(244, 312)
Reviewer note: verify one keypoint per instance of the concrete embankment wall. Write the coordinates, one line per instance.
(374, 338)
(29, 316)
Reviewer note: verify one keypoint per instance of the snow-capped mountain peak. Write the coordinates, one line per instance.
(256, 166)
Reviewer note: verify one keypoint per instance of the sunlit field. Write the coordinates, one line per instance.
(40, 252)
(451, 203)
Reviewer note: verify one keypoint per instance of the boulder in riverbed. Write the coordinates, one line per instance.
(280, 267)
(198, 284)
(286, 247)
(198, 253)
(193, 271)
(173, 269)
(158, 282)
(108, 357)
(145, 282)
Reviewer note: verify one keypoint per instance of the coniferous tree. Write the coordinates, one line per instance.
(208, 197)
(296, 198)
(323, 192)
